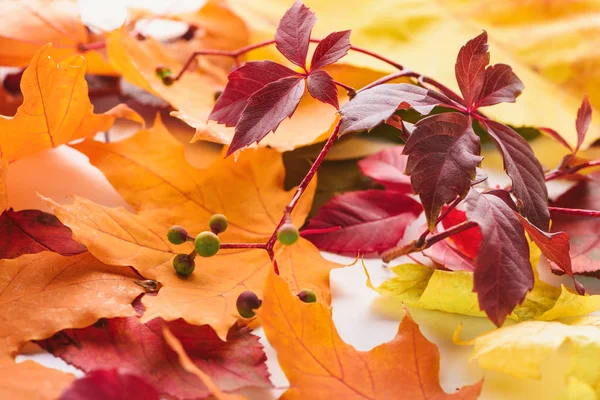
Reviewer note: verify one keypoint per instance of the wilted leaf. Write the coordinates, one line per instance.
(319, 364)
(110, 384)
(387, 167)
(29, 380)
(330, 49)
(43, 293)
(56, 108)
(370, 222)
(33, 231)
(293, 33)
(322, 87)
(140, 349)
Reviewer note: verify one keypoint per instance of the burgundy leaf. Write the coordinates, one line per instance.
(584, 231)
(244, 82)
(582, 123)
(503, 273)
(371, 222)
(322, 87)
(266, 109)
(556, 136)
(472, 59)
(330, 49)
(374, 106)
(33, 231)
(138, 348)
(110, 384)
(526, 173)
(501, 85)
(443, 154)
(387, 168)
(555, 246)
(293, 33)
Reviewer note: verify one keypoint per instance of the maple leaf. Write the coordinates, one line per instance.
(503, 273)
(318, 363)
(443, 154)
(293, 33)
(110, 384)
(33, 231)
(29, 380)
(330, 49)
(43, 293)
(387, 167)
(150, 172)
(141, 349)
(56, 108)
(370, 222)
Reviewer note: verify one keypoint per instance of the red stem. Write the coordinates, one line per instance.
(571, 170)
(350, 89)
(573, 211)
(243, 246)
(463, 226)
(320, 231)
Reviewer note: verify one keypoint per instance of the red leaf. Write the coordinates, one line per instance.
(322, 87)
(443, 154)
(582, 123)
(387, 168)
(127, 344)
(244, 82)
(33, 231)
(293, 33)
(472, 59)
(556, 136)
(371, 222)
(503, 273)
(501, 85)
(374, 106)
(266, 109)
(330, 49)
(448, 257)
(525, 172)
(555, 246)
(110, 384)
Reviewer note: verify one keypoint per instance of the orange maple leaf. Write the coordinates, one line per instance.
(29, 380)
(320, 365)
(150, 172)
(56, 108)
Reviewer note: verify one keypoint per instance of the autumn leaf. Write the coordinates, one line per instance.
(387, 167)
(56, 108)
(330, 49)
(127, 344)
(293, 33)
(470, 66)
(110, 384)
(3, 190)
(43, 293)
(319, 364)
(150, 172)
(322, 87)
(33, 231)
(29, 380)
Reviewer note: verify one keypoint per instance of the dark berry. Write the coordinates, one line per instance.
(217, 223)
(307, 296)
(177, 234)
(165, 74)
(184, 264)
(207, 244)
(288, 234)
(246, 303)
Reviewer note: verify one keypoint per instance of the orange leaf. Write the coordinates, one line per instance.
(41, 294)
(318, 364)
(150, 172)
(56, 108)
(33, 23)
(3, 191)
(29, 380)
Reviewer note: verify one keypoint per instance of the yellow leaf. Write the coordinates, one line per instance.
(56, 108)
(29, 380)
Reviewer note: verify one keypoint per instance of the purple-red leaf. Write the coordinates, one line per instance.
(472, 59)
(322, 87)
(503, 273)
(387, 168)
(449, 257)
(555, 246)
(110, 384)
(525, 172)
(374, 106)
(371, 222)
(33, 231)
(330, 49)
(244, 82)
(556, 136)
(500, 85)
(266, 109)
(141, 349)
(443, 155)
(293, 33)
(582, 123)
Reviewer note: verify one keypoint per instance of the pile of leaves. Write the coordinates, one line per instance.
(346, 151)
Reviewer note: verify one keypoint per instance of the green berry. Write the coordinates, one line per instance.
(177, 234)
(246, 303)
(217, 223)
(307, 296)
(288, 234)
(207, 244)
(184, 264)
(165, 75)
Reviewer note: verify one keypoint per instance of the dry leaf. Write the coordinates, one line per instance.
(29, 380)
(320, 365)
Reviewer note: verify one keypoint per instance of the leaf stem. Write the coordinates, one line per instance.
(573, 211)
(351, 91)
(320, 231)
(243, 246)
(559, 173)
